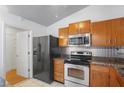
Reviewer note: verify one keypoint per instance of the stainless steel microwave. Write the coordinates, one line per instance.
(80, 40)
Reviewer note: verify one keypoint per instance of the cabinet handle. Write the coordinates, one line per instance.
(79, 30)
(115, 40)
(110, 41)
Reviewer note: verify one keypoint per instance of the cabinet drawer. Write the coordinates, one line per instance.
(99, 68)
(58, 61)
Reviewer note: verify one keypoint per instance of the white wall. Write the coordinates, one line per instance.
(17, 21)
(2, 25)
(1, 47)
(94, 13)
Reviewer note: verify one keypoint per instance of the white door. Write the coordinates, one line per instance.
(22, 49)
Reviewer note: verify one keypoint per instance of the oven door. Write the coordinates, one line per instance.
(77, 74)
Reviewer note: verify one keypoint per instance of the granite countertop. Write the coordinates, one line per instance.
(117, 63)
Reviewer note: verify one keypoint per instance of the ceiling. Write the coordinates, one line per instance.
(44, 14)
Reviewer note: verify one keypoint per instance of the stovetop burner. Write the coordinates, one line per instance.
(77, 62)
(79, 58)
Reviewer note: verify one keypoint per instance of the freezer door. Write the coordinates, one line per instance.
(36, 55)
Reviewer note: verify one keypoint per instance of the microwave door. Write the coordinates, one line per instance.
(87, 41)
(73, 41)
(81, 40)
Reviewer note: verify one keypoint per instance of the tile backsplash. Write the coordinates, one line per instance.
(96, 51)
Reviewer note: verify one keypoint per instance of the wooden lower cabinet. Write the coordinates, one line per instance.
(114, 82)
(105, 76)
(99, 76)
(59, 70)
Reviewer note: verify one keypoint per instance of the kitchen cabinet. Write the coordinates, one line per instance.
(59, 70)
(120, 79)
(118, 31)
(105, 76)
(113, 78)
(108, 32)
(99, 34)
(121, 33)
(102, 33)
(99, 76)
(80, 27)
(84, 27)
(63, 37)
(73, 29)
(116, 80)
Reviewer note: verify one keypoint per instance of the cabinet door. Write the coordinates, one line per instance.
(109, 33)
(73, 29)
(84, 27)
(117, 33)
(99, 34)
(99, 76)
(59, 70)
(63, 37)
(113, 78)
(118, 30)
(121, 40)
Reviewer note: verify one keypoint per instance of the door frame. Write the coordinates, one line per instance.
(30, 56)
(30, 60)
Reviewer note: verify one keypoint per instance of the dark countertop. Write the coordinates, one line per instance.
(117, 63)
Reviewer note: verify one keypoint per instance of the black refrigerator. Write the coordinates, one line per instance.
(44, 50)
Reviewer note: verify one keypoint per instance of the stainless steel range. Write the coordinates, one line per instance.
(77, 69)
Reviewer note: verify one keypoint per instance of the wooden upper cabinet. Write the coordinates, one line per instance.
(80, 27)
(118, 30)
(108, 33)
(99, 76)
(85, 27)
(73, 29)
(63, 36)
(99, 34)
(121, 32)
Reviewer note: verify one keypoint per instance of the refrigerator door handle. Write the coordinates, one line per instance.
(35, 51)
(39, 52)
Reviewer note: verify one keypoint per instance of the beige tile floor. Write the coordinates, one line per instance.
(36, 83)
